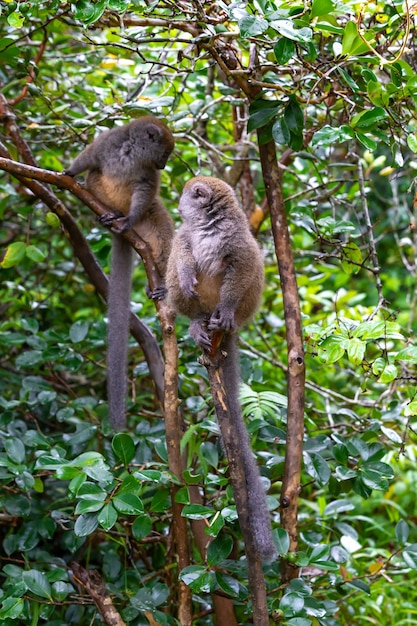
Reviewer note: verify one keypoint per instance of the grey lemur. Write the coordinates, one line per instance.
(123, 172)
(215, 276)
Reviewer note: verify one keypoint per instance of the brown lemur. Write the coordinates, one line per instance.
(215, 276)
(123, 172)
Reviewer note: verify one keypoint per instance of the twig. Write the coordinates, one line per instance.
(94, 586)
(376, 270)
(173, 432)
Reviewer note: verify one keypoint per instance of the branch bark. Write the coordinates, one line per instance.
(296, 364)
(96, 589)
(173, 432)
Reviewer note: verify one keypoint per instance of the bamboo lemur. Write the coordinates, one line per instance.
(123, 172)
(215, 276)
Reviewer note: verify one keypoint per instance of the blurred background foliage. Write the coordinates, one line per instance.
(336, 89)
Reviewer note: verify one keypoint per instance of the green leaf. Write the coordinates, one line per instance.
(412, 142)
(107, 517)
(197, 511)
(230, 586)
(35, 254)
(293, 116)
(281, 133)
(88, 506)
(410, 556)
(351, 258)
(366, 120)
(282, 541)
(291, 603)
(88, 12)
(339, 554)
(11, 608)
(124, 448)
(377, 330)
(91, 491)
(219, 549)
(411, 408)
(331, 351)
(284, 50)
(79, 331)
(338, 506)
(402, 531)
(359, 584)
(389, 373)
(198, 579)
(288, 29)
(356, 350)
(191, 573)
(142, 526)
(365, 140)
(128, 504)
(183, 495)
(321, 7)
(14, 255)
(329, 136)
(344, 473)
(15, 450)
(352, 44)
(37, 583)
(85, 524)
(318, 468)
(261, 112)
(15, 19)
(251, 25)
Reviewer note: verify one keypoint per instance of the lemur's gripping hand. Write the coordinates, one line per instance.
(116, 220)
(200, 335)
(222, 319)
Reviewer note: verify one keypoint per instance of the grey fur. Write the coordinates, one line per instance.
(123, 172)
(215, 276)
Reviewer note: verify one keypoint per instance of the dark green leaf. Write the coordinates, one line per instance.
(107, 517)
(124, 448)
(142, 526)
(128, 504)
(11, 608)
(86, 524)
(293, 116)
(262, 112)
(37, 583)
(219, 549)
(197, 511)
(284, 50)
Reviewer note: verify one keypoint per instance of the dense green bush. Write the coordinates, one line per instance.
(337, 92)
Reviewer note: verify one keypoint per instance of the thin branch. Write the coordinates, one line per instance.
(376, 269)
(96, 589)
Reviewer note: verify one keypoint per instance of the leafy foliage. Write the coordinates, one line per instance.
(336, 89)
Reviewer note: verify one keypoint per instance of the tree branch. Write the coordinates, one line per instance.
(96, 589)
